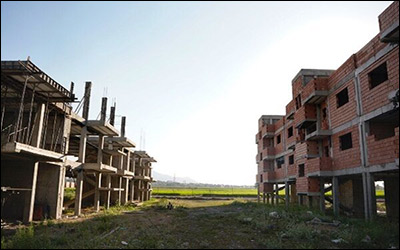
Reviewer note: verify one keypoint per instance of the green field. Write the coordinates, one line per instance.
(204, 191)
(231, 192)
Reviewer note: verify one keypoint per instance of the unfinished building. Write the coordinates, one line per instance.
(340, 132)
(43, 141)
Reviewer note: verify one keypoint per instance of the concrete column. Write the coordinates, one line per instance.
(264, 197)
(277, 193)
(322, 195)
(108, 194)
(258, 193)
(37, 133)
(60, 196)
(100, 149)
(103, 111)
(126, 191)
(97, 192)
(369, 195)
(300, 199)
(335, 195)
(286, 194)
(293, 193)
(123, 121)
(119, 191)
(30, 196)
(132, 191)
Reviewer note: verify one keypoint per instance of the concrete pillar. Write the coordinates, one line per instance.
(123, 121)
(112, 115)
(30, 196)
(286, 194)
(392, 197)
(61, 188)
(300, 199)
(258, 194)
(108, 192)
(264, 197)
(119, 191)
(38, 129)
(369, 195)
(125, 194)
(132, 190)
(322, 195)
(335, 195)
(97, 192)
(277, 193)
(293, 193)
(103, 111)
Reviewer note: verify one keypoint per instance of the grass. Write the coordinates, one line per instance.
(229, 192)
(69, 194)
(204, 224)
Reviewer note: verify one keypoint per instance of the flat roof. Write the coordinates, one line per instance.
(18, 71)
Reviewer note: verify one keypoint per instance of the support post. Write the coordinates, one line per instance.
(264, 197)
(322, 195)
(112, 115)
(97, 192)
(82, 149)
(119, 191)
(335, 195)
(286, 194)
(108, 194)
(36, 139)
(369, 195)
(123, 121)
(30, 196)
(132, 191)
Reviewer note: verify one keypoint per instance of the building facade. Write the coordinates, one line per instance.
(44, 141)
(340, 132)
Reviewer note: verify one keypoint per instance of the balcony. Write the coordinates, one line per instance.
(258, 137)
(305, 116)
(268, 130)
(268, 151)
(269, 176)
(316, 165)
(315, 91)
(290, 109)
(318, 134)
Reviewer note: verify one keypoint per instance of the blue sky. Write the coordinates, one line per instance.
(194, 76)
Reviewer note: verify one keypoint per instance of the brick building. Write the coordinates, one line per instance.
(340, 131)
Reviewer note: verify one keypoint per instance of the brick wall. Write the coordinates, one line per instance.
(348, 111)
(383, 151)
(350, 157)
(389, 16)
(307, 111)
(314, 85)
(318, 164)
(304, 184)
(346, 68)
(290, 107)
(378, 96)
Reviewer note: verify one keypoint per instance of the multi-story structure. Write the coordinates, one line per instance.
(43, 141)
(340, 129)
